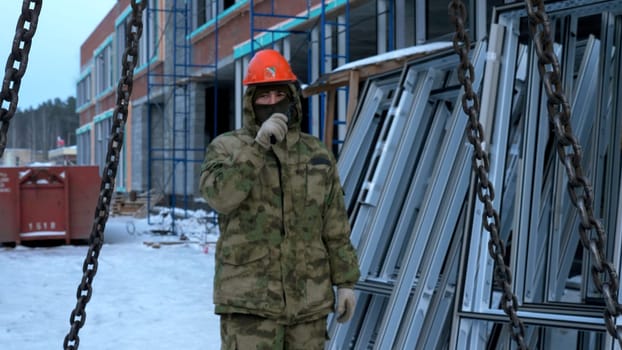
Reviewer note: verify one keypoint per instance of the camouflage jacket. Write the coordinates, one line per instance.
(284, 233)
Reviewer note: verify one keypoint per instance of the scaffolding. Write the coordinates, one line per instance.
(172, 157)
(265, 24)
(334, 101)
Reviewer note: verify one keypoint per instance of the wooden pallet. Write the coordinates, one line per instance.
(124, 204)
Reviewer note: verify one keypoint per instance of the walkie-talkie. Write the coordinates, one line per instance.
(290, 110)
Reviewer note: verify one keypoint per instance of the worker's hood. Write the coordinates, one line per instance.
(294, 110)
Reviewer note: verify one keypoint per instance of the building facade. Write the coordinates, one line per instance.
(193, 54)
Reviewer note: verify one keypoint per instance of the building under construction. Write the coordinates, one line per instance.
(481, 159)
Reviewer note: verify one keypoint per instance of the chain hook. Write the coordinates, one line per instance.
(481, 167)
(120, 114)
(24, 32)
(570, 155)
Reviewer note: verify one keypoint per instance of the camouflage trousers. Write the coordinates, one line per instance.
(247, 332)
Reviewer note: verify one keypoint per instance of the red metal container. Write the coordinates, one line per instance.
(41, 203)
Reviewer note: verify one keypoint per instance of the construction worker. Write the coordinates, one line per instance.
(284, 239)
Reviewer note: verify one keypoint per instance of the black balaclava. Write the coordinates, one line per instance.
(263, 112)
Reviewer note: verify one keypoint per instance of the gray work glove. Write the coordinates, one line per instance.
(345, 304)
(273, 130)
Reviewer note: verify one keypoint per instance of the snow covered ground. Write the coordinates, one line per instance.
(143, 297)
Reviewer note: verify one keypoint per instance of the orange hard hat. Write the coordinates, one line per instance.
(268, 66)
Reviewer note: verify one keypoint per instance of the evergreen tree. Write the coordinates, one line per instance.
(39, 128)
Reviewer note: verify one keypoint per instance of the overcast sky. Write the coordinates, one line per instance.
(53, 64)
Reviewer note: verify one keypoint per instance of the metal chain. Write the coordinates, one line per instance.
(16, 65)
(570, 155)
(481, 167)
(124, 90)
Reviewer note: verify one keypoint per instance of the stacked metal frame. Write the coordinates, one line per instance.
(427, 278)
(408, 206)
(558, 300)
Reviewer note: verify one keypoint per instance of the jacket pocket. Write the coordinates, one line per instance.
(243, 254)
(240, 275)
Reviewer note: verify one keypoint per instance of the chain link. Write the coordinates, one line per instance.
(96, 240)
(481, 167)
(16, 65)
(570, 154)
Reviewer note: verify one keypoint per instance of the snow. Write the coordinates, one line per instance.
(396, 54)
(42, 233)
(41, 164)
(143, 297)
